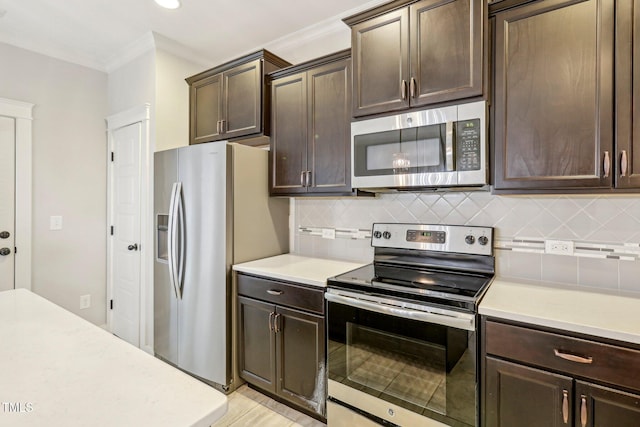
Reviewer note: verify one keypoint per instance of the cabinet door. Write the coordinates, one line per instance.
(553, 101)
(301, 358)
(205, 105)
(517, 395)
(597, 406)
(446, 50)
(381, 63)
(289, 134)
(256, 342)
(329, 135)
(242, 106)
(627, 170)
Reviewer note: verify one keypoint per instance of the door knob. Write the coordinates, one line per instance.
(4, 234)
(133, 247)
(5, 251)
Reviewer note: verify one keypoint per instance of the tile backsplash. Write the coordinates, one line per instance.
(605, 231)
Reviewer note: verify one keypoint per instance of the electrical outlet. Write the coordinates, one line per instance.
(558, 247)
(85, 301)
(328, 233)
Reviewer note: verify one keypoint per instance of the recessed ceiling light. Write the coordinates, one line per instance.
(169, 4)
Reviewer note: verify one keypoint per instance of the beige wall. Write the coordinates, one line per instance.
(172, 100)
(69, 175)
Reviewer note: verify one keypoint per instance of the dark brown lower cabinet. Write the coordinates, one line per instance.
(536, 378)
(602, 406)
(518, 395)
(282, 348)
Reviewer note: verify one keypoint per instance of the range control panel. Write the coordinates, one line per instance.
(443, 238)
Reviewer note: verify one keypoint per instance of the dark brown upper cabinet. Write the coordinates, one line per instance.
(553, 124)
(311, 127)
(409, 54)
(231, 101)
(627, 94)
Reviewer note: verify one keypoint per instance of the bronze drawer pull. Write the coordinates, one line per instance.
(565, 406)
(274, 292)
(572, 357)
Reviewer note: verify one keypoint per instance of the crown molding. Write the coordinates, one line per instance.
(323, 29)
(130, 52)
(53, 52)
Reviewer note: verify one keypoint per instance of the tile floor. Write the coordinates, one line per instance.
(249, 408)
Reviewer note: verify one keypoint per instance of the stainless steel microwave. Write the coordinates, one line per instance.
(441, 147)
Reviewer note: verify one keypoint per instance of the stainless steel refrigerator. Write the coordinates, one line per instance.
(212, 210)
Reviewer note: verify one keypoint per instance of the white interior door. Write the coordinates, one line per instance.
(126, 245)
(7, 203)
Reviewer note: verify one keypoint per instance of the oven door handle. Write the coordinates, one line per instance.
(455, 320)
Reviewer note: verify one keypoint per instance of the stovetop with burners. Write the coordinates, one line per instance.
(443, 265)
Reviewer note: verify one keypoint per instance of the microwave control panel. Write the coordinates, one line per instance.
(468, 145)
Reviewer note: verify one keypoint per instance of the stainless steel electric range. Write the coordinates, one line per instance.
(402, 343)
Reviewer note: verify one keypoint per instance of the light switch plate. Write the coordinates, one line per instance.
(55, 223)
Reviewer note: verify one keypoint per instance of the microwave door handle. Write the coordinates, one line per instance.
(448, 146)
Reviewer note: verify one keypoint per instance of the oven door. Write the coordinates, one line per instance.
(404, 363)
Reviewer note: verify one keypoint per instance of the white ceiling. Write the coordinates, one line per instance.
(95, 32)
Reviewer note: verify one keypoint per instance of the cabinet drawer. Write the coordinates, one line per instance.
(281, 293)
(579, 357)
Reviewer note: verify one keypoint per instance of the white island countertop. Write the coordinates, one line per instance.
(296, 268)
(606, 315)
(60, 370)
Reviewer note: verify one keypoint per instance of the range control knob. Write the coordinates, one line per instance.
(386, 235)
(470, 239)
(483, 240)
(377, 234)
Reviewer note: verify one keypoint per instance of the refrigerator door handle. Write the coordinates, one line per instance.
(171, 237)
(181, 244)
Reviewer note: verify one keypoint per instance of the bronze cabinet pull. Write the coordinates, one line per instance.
(271, 320)
(276, 323)
(413, 86)
(403, 89)
(607, 164)
(583, 411)
(274, 292)
(623, 163)
(565, 406)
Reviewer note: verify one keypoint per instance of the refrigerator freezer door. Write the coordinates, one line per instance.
(202, 331)
(165, 304)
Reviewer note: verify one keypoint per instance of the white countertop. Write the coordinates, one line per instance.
(572, 309)
(296, 268)
(60, 370)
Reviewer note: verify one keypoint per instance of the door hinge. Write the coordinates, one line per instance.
(15, 250)
(111, 304)
(112, 156)
(112, 230)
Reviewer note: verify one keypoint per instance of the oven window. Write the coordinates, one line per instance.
(426, 368)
